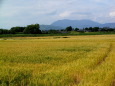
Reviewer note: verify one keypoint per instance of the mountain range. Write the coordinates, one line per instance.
(49, 27)
(62, 24)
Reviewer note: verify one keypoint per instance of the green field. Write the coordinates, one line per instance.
(58, 61)
(71, 33)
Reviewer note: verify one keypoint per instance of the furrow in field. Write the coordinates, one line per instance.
(104, 57)
(99, 72)
(113, 82)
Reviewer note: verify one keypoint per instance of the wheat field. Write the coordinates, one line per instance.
(58, 61)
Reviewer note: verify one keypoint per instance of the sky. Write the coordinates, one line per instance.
(24, 12)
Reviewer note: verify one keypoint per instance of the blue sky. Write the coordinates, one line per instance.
(25, 12)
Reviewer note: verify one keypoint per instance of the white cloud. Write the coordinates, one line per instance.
(22, 12)
(65, 14)
(112, 14)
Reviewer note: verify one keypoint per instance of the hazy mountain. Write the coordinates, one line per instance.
(112, 25)
(80, 23)
(76, 23)
(48, 27)
(62, 24)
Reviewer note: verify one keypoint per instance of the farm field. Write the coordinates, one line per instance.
(58, 61)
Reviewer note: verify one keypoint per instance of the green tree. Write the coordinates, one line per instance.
(4, 31)
(95, 29)
(1, 31)
(86, 29)
(69, 28)
(53, 31)
(32, 29)
(76, 29)
(90, 29)
(14, 30)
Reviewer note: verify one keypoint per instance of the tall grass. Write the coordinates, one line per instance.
(57, 61)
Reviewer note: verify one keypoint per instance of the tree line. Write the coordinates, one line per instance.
(35, 29)
(30, 29)
(91, 29)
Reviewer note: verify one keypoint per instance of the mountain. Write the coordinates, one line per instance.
(76, 23)
(62, 24)
(81, 23)
(111, 25)
(48, 27)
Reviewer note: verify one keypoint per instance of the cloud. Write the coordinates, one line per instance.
(52, 13)
(65, 14)
(22, 12)
(112, 14)
(75, 14)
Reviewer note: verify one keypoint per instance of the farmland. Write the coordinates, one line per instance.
(58, 61)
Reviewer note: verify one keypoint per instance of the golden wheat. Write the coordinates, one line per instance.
(57, 61)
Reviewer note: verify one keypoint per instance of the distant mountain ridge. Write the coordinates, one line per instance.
(81, 24)
(49, 27)
(62, 24)
(111, 25)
